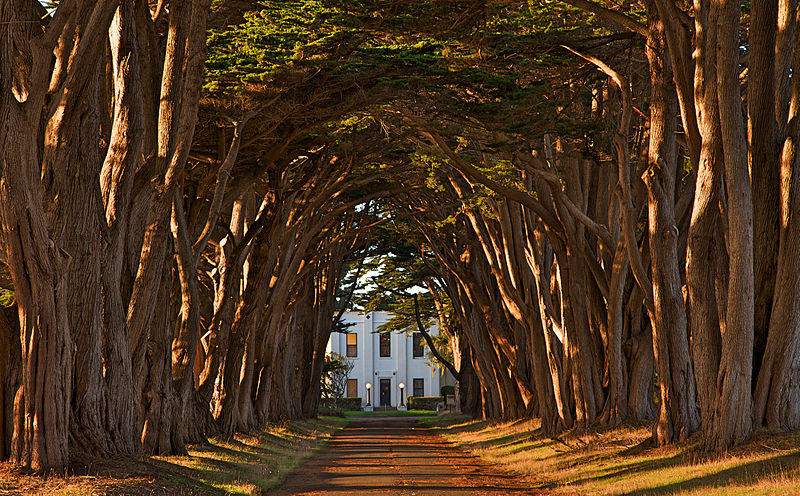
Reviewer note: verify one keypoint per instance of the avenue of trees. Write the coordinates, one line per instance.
(595, 199)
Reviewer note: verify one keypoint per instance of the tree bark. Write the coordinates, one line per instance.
(733, 412)
(777, 394)
(679, 416)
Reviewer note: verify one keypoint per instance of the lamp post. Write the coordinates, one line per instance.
(368, 408)
(402, 397)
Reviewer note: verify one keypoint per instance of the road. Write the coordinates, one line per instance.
(396, 456)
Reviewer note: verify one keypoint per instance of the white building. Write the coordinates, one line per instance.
(384, 361)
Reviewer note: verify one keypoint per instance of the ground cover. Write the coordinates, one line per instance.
(246, 464)
(619, 462)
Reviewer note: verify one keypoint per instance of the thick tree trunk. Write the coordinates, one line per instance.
(733, 412)
(10, 376)
(777, 393)
(158, 395)
(543, 261)
(641, 389)
(763, 154)
(74, 159)
(184, 347)
(42, 405)
(679, 416)
(704, 248)
(615, 410)
(116, 183)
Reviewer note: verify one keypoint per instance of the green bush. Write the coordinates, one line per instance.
(347, 404)
(445, 390)
(423, 402)
(331, 412)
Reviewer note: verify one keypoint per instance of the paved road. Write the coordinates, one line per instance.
(380, 455)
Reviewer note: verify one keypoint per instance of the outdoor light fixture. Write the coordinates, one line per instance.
(368, 386)
(402, 386)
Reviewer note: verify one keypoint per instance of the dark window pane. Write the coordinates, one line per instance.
(352, 345)
(419, 387)
(385, 348)
(418, 350)
(352, 388)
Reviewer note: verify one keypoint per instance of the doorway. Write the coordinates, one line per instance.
(386, 390)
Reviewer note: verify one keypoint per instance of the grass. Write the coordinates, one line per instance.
(247, 464)
(614, 462)
(391, 413)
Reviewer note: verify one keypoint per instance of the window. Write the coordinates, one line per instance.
(352, 344)
(419, 387)
(352, 388)
(386, 345)
(417, 344)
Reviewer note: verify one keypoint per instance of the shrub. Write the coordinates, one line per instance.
(347, 404)
(331, 412)
(423, 402)
(445, 390)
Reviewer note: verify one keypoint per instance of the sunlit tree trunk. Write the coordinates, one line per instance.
(732, 421)
(679, 416)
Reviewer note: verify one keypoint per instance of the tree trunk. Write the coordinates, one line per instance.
(158, 395)
(704, 248)
(777, 393)
(733, 412)
(10, 375)
(679, 416)
(74, 159)
(763, 154)
(116, 183)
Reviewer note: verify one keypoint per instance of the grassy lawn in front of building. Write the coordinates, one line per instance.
(619, 461)
(246, 465)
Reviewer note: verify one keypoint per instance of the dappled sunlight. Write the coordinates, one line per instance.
(614, 462)
(248, 464)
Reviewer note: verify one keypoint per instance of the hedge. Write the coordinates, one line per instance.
(349, 403)
(423, 402)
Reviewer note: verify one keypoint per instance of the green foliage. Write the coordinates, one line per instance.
(6, 298)
(273, 40)
(445, 349)
(335, 371)
(423, 402)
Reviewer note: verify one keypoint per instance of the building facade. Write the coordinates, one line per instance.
(384, 361)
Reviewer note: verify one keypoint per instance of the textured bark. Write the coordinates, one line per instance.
(10, 377)
(158, 395)
(763, 155)
(74, 159)
(733, 412)
(184, 346)
(679, 416)
(41, 409)
(543, 260)
(116, 183)
(616, 408)
(704, 249)
(777, 394)
(575, 318)
(227, 289)
(180, 90)
(74, 43)
(641, 390)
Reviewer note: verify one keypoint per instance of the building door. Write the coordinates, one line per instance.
(386, 392)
